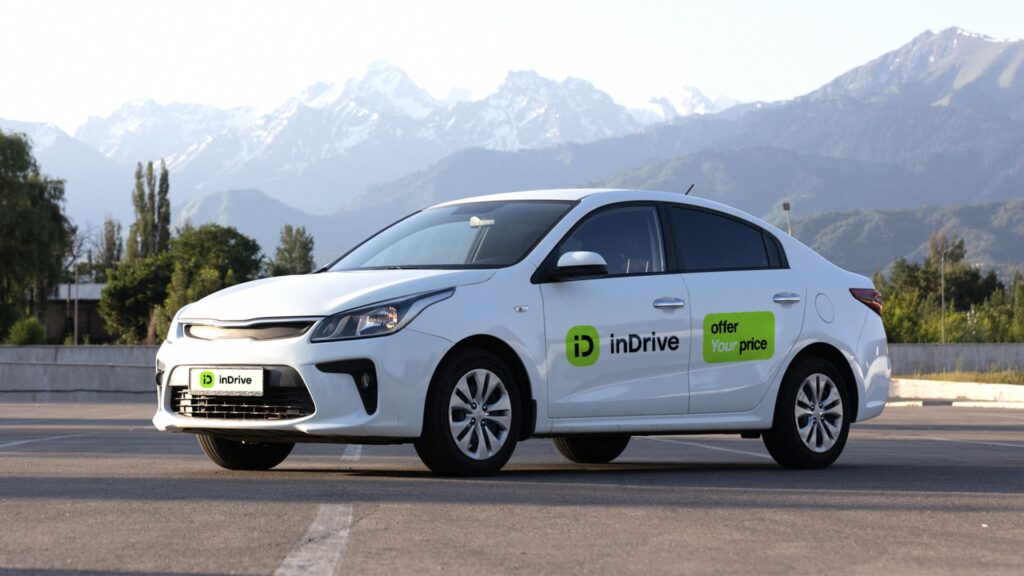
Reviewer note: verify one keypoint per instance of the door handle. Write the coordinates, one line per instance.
(786, 298)
(669, 303)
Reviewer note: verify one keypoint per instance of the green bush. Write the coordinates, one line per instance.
(26, 332)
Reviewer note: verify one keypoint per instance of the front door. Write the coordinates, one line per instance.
(618, 345)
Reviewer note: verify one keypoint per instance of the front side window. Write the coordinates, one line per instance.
(707, 241)
(475, 235)
(628, 238)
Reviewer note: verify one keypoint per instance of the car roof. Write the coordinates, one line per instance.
(564, 195)
(612, 195)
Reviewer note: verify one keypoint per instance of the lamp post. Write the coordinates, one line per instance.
(789, 223)
(942, 289)
(76, 301)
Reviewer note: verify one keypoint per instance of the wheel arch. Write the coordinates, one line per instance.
(836, 358)
(507, 354)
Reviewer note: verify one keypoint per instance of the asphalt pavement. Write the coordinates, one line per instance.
(94, 489)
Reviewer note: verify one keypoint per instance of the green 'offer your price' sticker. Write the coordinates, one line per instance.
(739, 337)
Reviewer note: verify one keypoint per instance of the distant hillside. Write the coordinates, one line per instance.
(94, 184)
(260, 217)
(758, 180)
(952, 68)
(866, 241)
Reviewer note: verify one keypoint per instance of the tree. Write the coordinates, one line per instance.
(139, 232)
(134, 288)
(206, 259)
(36, 233)
(294, 252)
(26, 332)
(150, 233)
(1017, 305)
(110, 250)
(978, 307)
(162, 236)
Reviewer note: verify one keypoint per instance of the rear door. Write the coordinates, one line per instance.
(746, 304)
(618, 345)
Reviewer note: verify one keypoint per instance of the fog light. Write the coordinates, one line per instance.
(364, 375)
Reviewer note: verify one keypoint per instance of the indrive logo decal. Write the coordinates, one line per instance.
(206, 379)
(582, 345)
(739, 337)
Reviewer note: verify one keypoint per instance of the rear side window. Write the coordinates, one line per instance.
(628, 238)
(707, 241)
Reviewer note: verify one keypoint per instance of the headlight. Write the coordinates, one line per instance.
(376, 320)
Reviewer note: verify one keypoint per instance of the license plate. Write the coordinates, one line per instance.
(226, 381)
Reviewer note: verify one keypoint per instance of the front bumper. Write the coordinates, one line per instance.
(405, 363)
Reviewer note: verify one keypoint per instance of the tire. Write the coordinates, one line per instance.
(473, 415)
(812, 416)
(591, 449)
(236, 455)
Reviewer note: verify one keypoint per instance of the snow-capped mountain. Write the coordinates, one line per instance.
(144, 130)
(530, 111)
(686, 101)
(331, 142)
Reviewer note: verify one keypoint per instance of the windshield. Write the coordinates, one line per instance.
(476, 235)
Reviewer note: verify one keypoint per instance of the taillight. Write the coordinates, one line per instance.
(869, 297)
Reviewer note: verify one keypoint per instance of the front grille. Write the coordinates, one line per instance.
(260, 331)
(285, 397)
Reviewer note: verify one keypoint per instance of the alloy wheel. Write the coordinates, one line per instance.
(819, 413)
(479, 414)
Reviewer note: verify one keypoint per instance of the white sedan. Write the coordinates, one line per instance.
(585, 316)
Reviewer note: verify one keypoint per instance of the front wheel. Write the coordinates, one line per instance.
(591, 449)
(472, 418)
(811, 416)
(238, 455)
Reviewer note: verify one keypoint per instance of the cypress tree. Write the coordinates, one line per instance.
(163, 211)
(151, 208)
(139, 231)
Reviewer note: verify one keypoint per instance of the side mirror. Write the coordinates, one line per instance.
(578, 265)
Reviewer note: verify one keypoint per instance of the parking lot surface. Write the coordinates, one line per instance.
(92, 488)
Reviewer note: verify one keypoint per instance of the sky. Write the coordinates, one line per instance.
(66, 60)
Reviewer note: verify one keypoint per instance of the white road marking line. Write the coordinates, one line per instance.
(977, 442)
(939, 439)
(20, 442)
(709, 447)
(320, 550)
(352, 453)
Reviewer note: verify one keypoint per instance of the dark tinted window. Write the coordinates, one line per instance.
(629, 240)
(708, 241)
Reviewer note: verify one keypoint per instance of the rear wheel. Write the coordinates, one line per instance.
(472, 418)
(591, 449)
(238, 455)
(811, 416)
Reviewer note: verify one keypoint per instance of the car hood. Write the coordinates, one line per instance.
(324, 293)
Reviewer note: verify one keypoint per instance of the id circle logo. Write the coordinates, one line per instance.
(206, 379)
(582, 345)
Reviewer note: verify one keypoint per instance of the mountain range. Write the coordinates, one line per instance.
(331, 142)
(932, 125)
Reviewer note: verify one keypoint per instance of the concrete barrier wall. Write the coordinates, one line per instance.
(77, 373)
(125, 373)
(925, 358)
